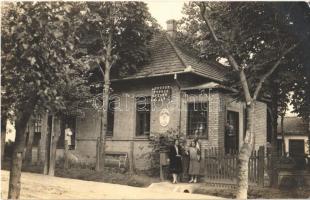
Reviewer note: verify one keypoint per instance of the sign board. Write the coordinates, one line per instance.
(164, 117)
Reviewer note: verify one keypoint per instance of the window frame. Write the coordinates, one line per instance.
(37, 125)
(189, 130)
(146, 115)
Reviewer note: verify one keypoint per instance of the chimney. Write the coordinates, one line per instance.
(172, 27)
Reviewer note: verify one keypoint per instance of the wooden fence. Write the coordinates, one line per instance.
(220, 167)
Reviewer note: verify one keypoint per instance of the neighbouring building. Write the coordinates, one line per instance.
(295, 134)
(173, 92)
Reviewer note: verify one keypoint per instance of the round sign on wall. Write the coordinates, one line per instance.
(164, 117)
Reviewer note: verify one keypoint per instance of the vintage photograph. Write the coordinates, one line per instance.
(155, 99)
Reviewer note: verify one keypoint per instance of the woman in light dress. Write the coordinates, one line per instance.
(194, 162)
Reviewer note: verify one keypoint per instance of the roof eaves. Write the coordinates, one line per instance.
(151, 76)
(214, 86)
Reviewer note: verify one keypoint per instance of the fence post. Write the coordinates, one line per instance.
(261, 165)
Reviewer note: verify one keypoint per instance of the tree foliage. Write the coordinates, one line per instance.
(37, 42)
(37, 66)
(258, 33)
(132, 27)
(255, 39)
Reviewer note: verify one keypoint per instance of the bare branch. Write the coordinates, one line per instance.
(203, 12)
(229, 56)
(272, 69)
(264, 63)
(102, 72)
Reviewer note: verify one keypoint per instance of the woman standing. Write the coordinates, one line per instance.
(175, 158)
(194, 163)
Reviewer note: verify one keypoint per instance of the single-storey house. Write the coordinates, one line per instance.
(173, 92)
(295, 134)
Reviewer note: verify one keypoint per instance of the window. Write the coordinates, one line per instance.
(110, 125)
(197, 119)
(143, 110)
(37, 123)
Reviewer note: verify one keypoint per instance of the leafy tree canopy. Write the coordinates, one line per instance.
(132, 27)
(257, 34)
(37, 42)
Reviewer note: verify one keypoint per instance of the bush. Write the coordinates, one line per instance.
(160, 142)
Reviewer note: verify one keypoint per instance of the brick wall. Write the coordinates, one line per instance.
(214, 114)
(260, 127)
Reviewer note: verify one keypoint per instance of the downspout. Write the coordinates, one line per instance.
(180, 99)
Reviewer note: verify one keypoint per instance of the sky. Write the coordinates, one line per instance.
(164, 10)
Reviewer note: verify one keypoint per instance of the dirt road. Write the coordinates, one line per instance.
(38, 186)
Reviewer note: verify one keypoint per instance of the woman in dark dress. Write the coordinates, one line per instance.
(175, 158)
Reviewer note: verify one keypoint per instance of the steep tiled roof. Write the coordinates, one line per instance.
(293, 126)
(167, 58)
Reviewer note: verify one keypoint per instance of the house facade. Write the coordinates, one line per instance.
(295, 134)
(174, 92)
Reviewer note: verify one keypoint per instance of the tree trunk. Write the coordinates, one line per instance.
(308, 157)
(48, 145)
(51, 147)
(19, 145)
(282, 134)
(105, 105)
(244, 155)
(28, 154)
(39, 153)
(66, 161)
(104, 123)
(51, 168)
(3, 136)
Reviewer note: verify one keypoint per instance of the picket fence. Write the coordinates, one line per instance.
(221, 168)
